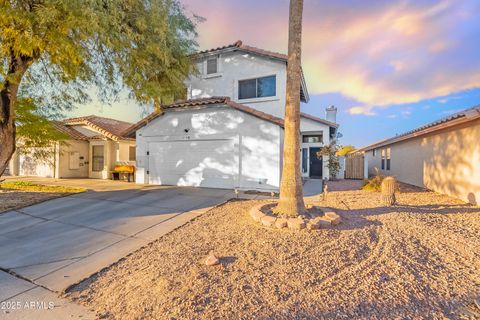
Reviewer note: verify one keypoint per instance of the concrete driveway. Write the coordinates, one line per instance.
(60, 242)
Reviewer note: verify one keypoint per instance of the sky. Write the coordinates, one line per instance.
(388, 66)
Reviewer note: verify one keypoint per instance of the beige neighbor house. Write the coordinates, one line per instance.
(94, 147)
(443, 156)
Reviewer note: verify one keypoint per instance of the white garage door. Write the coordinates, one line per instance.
(199, 163)
(29, 166)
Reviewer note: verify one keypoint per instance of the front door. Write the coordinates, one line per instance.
(316, 164)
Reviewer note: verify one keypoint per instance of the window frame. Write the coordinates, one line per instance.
(274, 76)
(216, 65)
(304, 155)
(94, 157)
(130, 158)
(383, 159)
(314, 135)
(388, 157)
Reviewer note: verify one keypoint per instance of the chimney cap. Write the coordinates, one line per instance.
(332, 107)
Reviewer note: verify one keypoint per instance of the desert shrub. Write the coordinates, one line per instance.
(375, 184)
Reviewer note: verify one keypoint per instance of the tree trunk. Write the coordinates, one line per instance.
(8, 98)
(291, 191)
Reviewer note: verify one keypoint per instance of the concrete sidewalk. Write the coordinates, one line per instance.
(21, 300)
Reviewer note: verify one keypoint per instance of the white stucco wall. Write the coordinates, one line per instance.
(64, 170)
(257, 143)
(235, 66)
(123, 150)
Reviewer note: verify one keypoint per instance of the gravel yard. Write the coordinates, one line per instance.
(419, 259)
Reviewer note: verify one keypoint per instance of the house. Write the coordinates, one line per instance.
(229, 132)
(443, 156)
(94, 146)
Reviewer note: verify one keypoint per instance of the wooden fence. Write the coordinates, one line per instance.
(355, 166)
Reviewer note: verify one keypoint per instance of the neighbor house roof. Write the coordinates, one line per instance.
(111, 128)
(69, 131)
(239, 46)
(458, 118)
(192, 103)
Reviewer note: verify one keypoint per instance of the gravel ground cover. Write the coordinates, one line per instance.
(419, 259)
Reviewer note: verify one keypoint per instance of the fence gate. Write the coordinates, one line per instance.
(355, 166)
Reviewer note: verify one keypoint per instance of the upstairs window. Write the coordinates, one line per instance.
(374, 152)
(212, 65)
(257, 88)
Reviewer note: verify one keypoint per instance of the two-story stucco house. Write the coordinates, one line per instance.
(229, 132)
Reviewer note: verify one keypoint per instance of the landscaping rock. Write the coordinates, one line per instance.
(312, 226)
(335, 221)
(212, 260)
(256, 214)
(333, 217)
(268, 221)
(322, 221)
(296, 223)
(281, 223)
(331, 214)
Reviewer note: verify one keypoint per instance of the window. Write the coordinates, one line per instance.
(132, 156)
(314, 138)
(388, 159)
(212, 65)
(257, 88)
(304, 160)
(383, 159)
(97, 158)
(374, 152)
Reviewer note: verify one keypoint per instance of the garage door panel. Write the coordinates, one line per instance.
(205, 163)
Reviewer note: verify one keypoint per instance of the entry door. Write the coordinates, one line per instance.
(316, 164)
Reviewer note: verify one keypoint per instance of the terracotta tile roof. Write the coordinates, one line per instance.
(203, 102)
(238, 45)
(72, 133)
(317, 119)
(110, 128)
(458, 118)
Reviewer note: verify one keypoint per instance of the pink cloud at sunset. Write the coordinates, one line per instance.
(378, 53)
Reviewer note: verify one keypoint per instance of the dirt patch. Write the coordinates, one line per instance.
(419, 259)
(19, 194)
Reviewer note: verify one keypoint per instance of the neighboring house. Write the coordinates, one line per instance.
(443, 156)
(229, 133)
(94, 146)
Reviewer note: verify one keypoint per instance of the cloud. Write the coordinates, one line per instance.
(379, 53)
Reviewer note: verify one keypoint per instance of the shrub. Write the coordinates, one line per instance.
(375, 184)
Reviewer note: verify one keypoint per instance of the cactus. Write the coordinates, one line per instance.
(388, 191)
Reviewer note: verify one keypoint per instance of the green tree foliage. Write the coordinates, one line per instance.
(54, 51)
(37, 135)
(343, 150)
